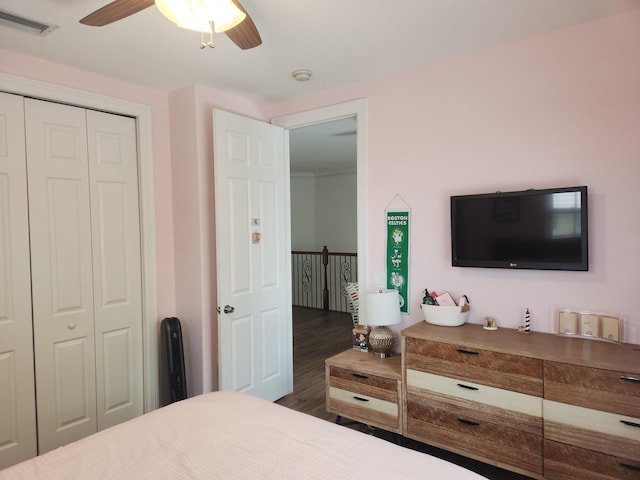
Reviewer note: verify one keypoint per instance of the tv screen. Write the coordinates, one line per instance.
(531, 229)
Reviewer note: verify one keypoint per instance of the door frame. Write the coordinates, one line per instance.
(354, 108)
(142, 113)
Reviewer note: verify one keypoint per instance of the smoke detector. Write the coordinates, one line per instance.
(301, 75)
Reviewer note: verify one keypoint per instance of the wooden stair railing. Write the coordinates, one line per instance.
(318, 278)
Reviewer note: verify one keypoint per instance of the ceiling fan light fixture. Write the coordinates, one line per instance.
(199, 15)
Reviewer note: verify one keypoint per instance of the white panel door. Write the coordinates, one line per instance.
(117, 277)
(60, 227)
(17, 397)
(253, 257)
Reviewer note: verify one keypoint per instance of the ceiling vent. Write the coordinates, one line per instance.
(12, 20)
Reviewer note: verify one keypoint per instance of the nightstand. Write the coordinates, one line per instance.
(365, 388)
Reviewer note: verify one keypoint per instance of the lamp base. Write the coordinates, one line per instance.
(382, 340)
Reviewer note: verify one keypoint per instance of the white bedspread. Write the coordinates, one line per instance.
(232, 436)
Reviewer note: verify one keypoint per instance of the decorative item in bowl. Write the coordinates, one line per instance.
(445, 316)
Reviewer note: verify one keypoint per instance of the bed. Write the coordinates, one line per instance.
(232, 435)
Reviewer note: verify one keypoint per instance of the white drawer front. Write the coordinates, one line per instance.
(497, 397)
(364, 401)
(589, 419)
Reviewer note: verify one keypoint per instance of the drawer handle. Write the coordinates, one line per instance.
(630, 379)
(361, 399)
(468, 387)
(630, 467)
(469, 422)
(468, 352)
(631, 424)
(359, 375)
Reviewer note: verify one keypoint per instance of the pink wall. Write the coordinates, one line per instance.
(187, 231)
(194, 217)
(559, 109)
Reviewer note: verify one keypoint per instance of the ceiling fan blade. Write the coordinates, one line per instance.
(114, 11)
(245, 35)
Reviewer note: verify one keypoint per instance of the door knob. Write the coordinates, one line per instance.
(71, 325)
(228, 309)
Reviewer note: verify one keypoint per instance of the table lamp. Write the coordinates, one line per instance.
(380, 308)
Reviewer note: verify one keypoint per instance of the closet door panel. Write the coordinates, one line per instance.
(71, 367)
(116, 265)
(17, 397)
(60, 225)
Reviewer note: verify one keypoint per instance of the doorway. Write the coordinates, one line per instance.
(347, 120)
(323, 186)
(355, 109)
(323, 177)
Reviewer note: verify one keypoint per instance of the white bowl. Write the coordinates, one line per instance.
(445, 316)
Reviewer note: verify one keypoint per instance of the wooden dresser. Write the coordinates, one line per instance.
(542, 405)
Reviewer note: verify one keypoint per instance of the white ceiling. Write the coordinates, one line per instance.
(327, 148)
(342, 41)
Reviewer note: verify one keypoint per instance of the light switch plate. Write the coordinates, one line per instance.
(380, 280)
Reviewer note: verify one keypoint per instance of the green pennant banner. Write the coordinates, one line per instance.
(397, 261)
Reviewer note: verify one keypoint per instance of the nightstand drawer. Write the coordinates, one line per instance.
(567, 462)
(605, 432)
(364, 401)
(364, 383)
(608, 390)
(500, 370)
(497, 436)
(368, 410)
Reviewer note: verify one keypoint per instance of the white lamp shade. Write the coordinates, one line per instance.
(379, 307)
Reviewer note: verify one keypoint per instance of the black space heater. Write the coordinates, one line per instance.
(173, 381)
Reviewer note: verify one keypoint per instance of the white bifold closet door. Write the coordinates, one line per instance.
(17, 395)
(85, 270)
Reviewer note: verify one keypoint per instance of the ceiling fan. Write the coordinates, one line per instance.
(245, 34)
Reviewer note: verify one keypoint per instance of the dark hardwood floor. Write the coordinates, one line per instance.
(319, 334)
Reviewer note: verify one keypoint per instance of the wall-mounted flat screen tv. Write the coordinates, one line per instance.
(531, 229)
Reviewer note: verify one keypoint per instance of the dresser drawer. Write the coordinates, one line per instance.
(501, 399)
(496, 436)
(604, 432)
(500, 370)
(568, 462)
(608, 390)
